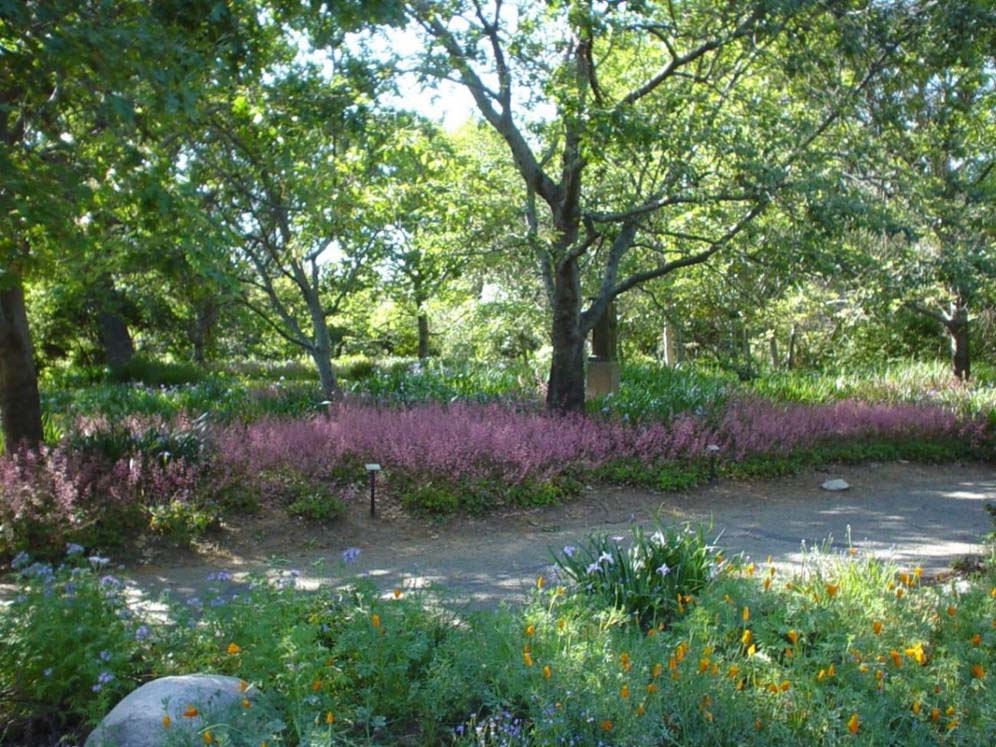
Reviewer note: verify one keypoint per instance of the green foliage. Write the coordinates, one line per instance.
(653, 579)
(317, 505)
(654, 391)
(154, 373)
(850, 650)
(443, 381)
(181, 522)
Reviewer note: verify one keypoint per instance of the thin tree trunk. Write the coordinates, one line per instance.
(20, 405)
(773, 350)
(565, 388)
(423, 335)
(793, 335)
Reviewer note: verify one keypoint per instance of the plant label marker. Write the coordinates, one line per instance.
(372, 470)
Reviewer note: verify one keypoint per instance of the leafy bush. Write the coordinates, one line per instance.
(72, 647)
(652, 579)
(156, 373)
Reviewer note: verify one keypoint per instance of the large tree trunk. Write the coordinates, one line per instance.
(423, 335)
(114, 334)
(202, 329)
(957, 326)
(565, 388)
(20, 405)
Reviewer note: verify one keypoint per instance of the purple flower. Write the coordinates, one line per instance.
(105, 655)
(219, 576)
(98, 562)
(569, 550)
(73, 549)
(350, 554)
(20, 560)
(141, 632)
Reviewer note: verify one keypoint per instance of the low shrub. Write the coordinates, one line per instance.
(652, 579)
(156, 373)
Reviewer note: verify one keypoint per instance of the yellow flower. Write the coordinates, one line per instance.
(751, 650)
(243, 686)
(977, 671)
(792, 636)
(952, 724)
(917, 573)
(547, 671)
(539, 582)
(606, 725)
(166, 721)
(329, 717)
(640, 709)
(876, 626)
(749, 569)
(852, 551)
(896, 658)
(935, 714)
(757, 724)
(624, 691)
(949, 710)
(767, 583)
(745, 637)
(904, 578)
(396, 592)
(207, 737)
(245, 702)
(190, 711)
(652, 687)
(624, 661)
(527, 658)
(233, 648)
(832, 589)
(745, 614)
(915, 708)
(375, 620)
(951, 610)
(976, 639)
(530, 629)
(915, 652)
(899, 593)
(656, 670)
(732, 671)
(853, 723)
(703, 663)
(680, 650)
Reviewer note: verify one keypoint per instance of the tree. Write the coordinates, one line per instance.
(664, 128)
(935, 118)
(87, 92)
(292, 169)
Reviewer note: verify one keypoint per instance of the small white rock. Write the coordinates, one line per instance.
(835, 485)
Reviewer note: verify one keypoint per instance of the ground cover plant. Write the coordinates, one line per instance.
(173, 460)
(849, 651)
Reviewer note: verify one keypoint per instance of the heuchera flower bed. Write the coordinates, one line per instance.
(491, 452)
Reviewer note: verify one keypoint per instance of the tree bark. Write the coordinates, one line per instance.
(20, 405)
(565, 388)
(118, 345)
(957, 326)
(423, 335)
(321, 347)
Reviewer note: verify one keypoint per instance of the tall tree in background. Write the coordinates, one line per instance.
(661, 130)
(293, 168)
(934, 118)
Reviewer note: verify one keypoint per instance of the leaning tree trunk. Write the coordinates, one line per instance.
(321, 348)
(565, 388)
(957, 326)
(20, 405)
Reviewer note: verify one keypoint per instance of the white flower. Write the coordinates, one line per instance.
(664, 569)
(593, 567)
(606, 557)
(659, 538)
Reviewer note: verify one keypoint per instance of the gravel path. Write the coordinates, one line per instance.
(914, 514)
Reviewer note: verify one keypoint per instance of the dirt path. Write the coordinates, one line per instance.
(927, 515)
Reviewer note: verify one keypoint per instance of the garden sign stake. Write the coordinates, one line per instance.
(372, 470)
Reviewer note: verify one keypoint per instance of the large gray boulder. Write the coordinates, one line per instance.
(137, 721)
